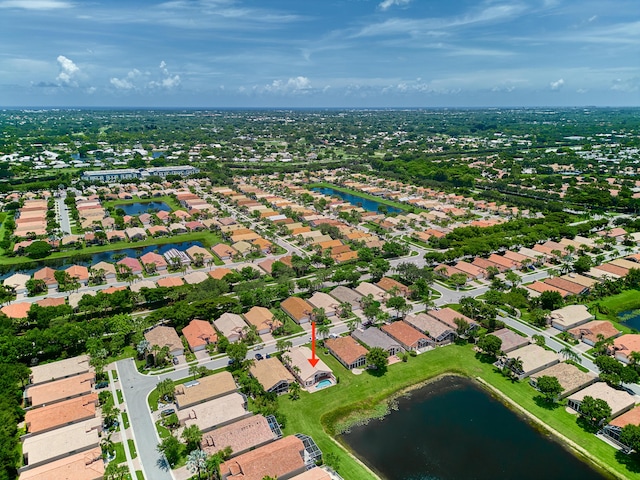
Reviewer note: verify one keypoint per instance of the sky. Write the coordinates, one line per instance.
(319, 53)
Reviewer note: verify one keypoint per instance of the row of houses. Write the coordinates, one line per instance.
(63, 423)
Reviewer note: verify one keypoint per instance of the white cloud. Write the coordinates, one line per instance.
(557, 85)
(68, 71)
(169, 81)
(121, 83)
(386, 4)
(626, 85)
(292, 85)
(36, 4)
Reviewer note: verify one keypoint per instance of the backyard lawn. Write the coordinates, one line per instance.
(318, 414)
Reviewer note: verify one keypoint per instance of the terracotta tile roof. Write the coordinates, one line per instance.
(61, 413)
(164, 336)
(277, 459)
(170, 282)
(51, 302)
(199, 333)
(62, 389)
(448, 315)
(46, 274)
(219, 273)
(545, 287)
(240, 436)
(78, 272)
(346, 349)
(616, 270)
(152, 257)
(567, 285)
(388, 284)
(296, 307)
(632, 417)
(591, 330)
(408, 336)
(262, 318)
(87, 465)
(16, 310)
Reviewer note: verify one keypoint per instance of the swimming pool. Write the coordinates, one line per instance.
(323, 384)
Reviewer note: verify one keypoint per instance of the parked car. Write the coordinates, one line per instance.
(102, 385)
(334, 335)
(167, 412)
(175, 360)
(259, 356)
(260, 346)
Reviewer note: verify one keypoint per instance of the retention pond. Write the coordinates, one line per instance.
(366, 203)
(452, 429)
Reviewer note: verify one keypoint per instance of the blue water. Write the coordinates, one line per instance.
(454, 430)
(111, 257)
(143, 207)
(630, 318)
(323, 384)
(367, 204)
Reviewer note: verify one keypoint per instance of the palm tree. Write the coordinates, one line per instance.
(294, 391)
(569, 354)
(192, 435)
(108, 447)
(197, 461)
(323, 330)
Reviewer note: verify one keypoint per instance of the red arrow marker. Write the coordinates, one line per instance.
(313, 360)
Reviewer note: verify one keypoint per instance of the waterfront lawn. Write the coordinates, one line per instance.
(170, 201)
(317, 414)
(613, 305)
(380, 200)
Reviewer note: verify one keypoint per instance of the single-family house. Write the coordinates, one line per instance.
(215, 413)
(240, 436)
(67, 412)
(50, 392)
(164, 336)
(298, 309)
(590, 332)
(533, 357)
(79, 273)
(129, 264)
(448, 316)
(223, 251)
(199, 334)
(625, 345)
(86, 465)
(283, 459)
(366, 288)
(438, 332)
(310, 377)
(569, 317)
(107, 270)
(372, 337)
(154, 262)
(570, 377)
(231, 325)
(347, 351)
(135, 233)
(324, 301)
(47, 275)
(406, 335)
(347, 295)
(17, 310)
(510, 340)
(69, 367)
(393, 287)
(17, 282)
(618, 400)
(204, 389)
(262, 319)
(272, 375)
(613, 429)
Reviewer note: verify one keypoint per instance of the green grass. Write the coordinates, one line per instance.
(120, 396)
(114, 374)
(132, 448)
(139, 475)
(163, 431)
(120, 456)
(627, 300)
(125, 420)
(318, 414)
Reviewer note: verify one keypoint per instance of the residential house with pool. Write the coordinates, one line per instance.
(312, 378)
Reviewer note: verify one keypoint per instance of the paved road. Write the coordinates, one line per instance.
(63, 213)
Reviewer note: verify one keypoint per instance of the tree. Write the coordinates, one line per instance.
(462, 326)
(569, 354)
(630, 436)
(490, 344)
(170, 447)
(294, 391)
(166, 390)
(192, 435)
(399, 304)
(539, 340)
(378, 358)
(38, 249)
(283, 345)
(549, 387)
(513, 278)
(35, 286)
(595, 410)
(197, 461)
(114, 471)
(237, 352)
(108, 447)
(458, 279)
(492, 271)
(539, 317)
(550, 300)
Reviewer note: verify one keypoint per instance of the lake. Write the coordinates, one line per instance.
(630, 318)
(367, 204)
(143, 207)
(452, 429)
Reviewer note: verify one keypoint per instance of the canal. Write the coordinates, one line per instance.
(366, 203)
(143, 207)
(452, 429)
